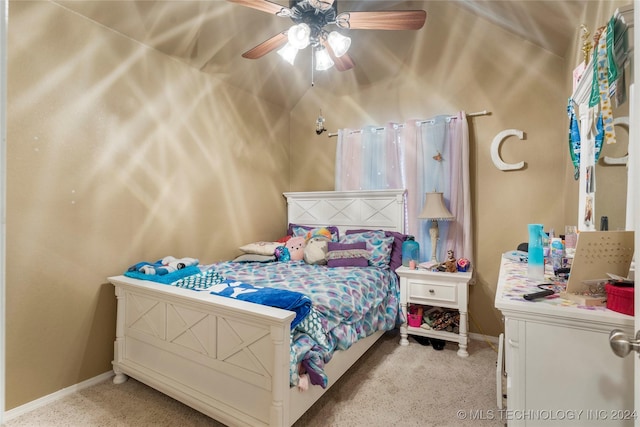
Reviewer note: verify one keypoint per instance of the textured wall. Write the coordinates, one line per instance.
(461, 62)
(117, 154)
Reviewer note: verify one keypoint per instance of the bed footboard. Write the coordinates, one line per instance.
(228, 359)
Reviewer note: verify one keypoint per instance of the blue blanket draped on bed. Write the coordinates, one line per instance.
(273, 297)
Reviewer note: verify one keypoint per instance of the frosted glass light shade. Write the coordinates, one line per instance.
(288, 52)
(323, 60)
(298, 35)
(339, 43)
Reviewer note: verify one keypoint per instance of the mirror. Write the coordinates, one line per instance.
(611, 175)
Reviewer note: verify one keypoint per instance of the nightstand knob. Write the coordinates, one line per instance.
(431, 291)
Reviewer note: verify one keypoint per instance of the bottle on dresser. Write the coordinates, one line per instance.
(557, 253)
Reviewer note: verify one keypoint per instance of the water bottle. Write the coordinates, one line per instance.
(410, 252)
(557, 252)
(535, 267)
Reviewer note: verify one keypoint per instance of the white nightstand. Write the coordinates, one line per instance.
(450, 290)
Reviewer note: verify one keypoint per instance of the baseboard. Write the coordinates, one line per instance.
(45, 400)
(481, 337)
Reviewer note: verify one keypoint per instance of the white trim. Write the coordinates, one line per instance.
(53, 397)
(480, 337)
(4, 20)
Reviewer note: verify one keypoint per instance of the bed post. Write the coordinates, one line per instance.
(118, 345)
(280, 379)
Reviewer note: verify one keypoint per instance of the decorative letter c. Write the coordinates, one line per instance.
(495, 149)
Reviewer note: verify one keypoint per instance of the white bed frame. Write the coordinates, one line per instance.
(229, 359)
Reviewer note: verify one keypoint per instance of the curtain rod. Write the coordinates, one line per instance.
(476, 114)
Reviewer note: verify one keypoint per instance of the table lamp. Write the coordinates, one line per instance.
(435, 210)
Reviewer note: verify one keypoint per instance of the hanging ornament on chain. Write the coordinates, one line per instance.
(320, 124)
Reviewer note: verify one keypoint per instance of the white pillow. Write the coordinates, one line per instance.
(260, 248)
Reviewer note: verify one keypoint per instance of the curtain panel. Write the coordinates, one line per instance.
(422, 156)
(369, 158)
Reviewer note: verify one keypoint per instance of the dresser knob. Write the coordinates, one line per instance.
(431, 291)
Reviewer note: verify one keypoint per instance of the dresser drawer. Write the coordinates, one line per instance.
(420, 292)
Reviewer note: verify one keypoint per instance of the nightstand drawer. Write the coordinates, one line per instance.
(420, 291)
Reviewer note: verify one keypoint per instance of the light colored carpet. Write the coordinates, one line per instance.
(391, 385)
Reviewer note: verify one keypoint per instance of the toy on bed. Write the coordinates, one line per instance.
(295, 246)
(292, 250)
(166, 265)
(315, 251)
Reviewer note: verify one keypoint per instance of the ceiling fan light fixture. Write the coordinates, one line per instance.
(339, 43)
(288, 52)
(299, 35)
(319, 4)
(323, 60)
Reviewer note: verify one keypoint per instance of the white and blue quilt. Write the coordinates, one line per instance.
(335, 307)
(348, 304)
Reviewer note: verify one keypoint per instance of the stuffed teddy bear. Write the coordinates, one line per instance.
(296, 245)
(315, 251)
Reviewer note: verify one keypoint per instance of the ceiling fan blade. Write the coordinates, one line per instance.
(263, 5)
(342, 63)
(266, 46)
(382, 20)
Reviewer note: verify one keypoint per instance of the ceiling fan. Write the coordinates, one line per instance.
(310, 17)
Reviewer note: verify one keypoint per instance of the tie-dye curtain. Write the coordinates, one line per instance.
(421, 156)
(369, 159)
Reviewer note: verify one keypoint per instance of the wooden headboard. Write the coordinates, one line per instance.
(374, 209)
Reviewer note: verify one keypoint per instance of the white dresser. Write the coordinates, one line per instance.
(559, 365)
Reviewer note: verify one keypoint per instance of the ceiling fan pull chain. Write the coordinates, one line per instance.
(312, 67)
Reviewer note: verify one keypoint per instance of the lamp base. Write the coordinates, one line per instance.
(434, 233)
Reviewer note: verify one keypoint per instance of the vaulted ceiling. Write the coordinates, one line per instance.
(210, 35)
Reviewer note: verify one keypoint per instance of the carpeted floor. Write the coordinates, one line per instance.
(391, 385)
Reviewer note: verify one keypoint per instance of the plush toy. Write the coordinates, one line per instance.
(296, 245)
(282, 254)
(315, 251)
(450, 263)
(318, 232)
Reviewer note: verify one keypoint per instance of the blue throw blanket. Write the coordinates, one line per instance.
(166, 279)
(279, 298)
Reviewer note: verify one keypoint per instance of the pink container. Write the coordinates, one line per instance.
(414, 318)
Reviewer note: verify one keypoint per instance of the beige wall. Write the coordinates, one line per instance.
(117, 154)
(462, 62)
